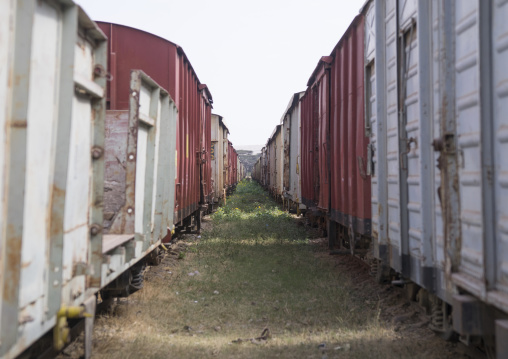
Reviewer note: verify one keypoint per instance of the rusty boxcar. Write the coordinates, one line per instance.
(167, 64)
(335, 182)
(348, 143)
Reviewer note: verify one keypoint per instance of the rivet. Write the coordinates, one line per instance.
(97, 152)
(95, 229)
(129, 210)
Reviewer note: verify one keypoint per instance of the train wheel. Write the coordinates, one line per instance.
(441, 320)
(137, 279)
(155, 257)
(383, 273)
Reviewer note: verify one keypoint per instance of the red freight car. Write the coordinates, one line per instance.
(335, 182)
(167, 64)
(350, 205)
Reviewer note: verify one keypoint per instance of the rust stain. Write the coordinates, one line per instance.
(19, 124)
(12, 267)
(56, 220)
(75, 227)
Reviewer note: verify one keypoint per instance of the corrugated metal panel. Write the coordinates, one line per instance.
(296, 153)
(279, 162)
(392, 136)
(292, 154)
(216, 157)
(481, 101)
(232, 165)
(315, 137)
(219, 136)
(350, 190)
(320, 84)
(438, 238)
(404, 177)
(500, 109)
(371, 121)
(468, 111)
(205, 145)
(54, 117)
(307, 151)
(225, 147)
(286, 129)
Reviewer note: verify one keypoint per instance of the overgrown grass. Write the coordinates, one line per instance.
(253, 270)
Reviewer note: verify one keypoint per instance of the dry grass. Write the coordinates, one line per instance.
(254, 269)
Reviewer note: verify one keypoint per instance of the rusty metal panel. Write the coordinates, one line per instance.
(296, 153)
(53, 116)
(205, 147)
(140, 151)
(225, 147)
(277, 167)
(232, 165)
(275, 162)
(317, 119)
(371, 120)
(438, 238)
(216, 157)
(350, 189)
(140, 174)
(286, 129)
(292, 150)
(6, 57)
(219, 134)
(468, 112)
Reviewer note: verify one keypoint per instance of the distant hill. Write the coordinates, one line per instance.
(254, 148)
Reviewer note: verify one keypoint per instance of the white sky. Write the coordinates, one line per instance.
(253, 55)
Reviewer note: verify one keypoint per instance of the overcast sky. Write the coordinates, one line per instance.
(253, 55)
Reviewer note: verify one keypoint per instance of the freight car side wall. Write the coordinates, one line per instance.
(131, 49)
(481, 103)
(409, 232)
(307, 144)
(52, 121)
(203, 153)
(350, 181)
(295, 153)
(188, 143)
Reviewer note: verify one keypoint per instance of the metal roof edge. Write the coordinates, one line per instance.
(179, 49)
